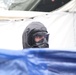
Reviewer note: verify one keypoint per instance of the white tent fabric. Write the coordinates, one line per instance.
(70, 7)
(60, 25)
(3, 6)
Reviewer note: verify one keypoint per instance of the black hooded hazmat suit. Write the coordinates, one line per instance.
(35, 29)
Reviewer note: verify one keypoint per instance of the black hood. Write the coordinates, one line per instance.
(31, 29)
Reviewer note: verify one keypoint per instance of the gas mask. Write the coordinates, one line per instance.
(43, 42)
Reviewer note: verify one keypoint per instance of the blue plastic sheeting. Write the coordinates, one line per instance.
(37, 62)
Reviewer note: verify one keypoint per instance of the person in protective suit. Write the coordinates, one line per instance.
(35, 36)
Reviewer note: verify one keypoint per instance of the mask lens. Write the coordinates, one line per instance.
(40, 34)
(46, 36)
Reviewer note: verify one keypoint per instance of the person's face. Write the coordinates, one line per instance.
(37, 38)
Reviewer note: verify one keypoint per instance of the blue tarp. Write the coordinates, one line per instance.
(37, 62)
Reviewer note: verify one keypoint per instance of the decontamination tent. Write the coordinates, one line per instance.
(16, 61)
(61, 27)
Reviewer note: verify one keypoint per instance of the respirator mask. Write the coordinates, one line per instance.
(40, 40)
